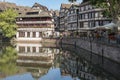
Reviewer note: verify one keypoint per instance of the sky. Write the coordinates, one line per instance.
(51, 4)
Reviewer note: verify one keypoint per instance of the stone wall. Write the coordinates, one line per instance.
(49, 40)
(107, 51)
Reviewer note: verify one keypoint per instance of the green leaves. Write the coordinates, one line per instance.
(7, 22)
(111, 6)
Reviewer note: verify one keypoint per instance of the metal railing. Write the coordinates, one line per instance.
(100, 40)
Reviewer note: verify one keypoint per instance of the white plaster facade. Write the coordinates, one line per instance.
(44, 32)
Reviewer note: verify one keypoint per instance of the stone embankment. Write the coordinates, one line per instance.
(108, 51)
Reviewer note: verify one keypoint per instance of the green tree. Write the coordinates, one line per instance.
(7, 22)
(112, 8)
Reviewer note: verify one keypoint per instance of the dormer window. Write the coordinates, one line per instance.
(20, 13)
(37, 7)
(17, 8)
(20, 19)
(32, 13)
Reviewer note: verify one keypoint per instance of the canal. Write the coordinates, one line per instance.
(33, 61)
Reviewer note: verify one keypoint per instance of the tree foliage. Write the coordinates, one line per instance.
(7, 22)
(111, 6)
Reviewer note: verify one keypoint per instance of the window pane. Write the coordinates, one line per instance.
(28, 49)
(28, 34)
(21, 49)
(21, 34)
(34, 34)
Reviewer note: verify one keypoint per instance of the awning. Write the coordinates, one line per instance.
(107, 26)
(98, 27)
(110, 26)
(118, 26)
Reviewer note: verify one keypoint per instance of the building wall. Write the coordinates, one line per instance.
(91, 16)
(110, 52)
(33, 34)
(88, 16)
(34, 28)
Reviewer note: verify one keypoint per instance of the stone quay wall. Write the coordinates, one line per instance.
(108, 51)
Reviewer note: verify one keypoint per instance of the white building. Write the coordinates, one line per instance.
(35, 24)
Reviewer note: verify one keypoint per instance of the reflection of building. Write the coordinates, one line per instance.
(75, 66)
(34, 54)
(35, 24)
(34, 58)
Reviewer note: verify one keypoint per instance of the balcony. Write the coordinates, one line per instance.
(93, 19)
(91, 10)
(35, 29)
(33, 22)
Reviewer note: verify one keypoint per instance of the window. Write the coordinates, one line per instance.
(81, 24)
(34, 49)
(34, 34)
(90, 15)
(96, 15)
(85, 24)
(93, 15)
(40, 34)
(40, 49)
(28, 49)
(83, 16)
(28, 34)
(100, 23)
(82, 8)
(97, 23)
(105, 22)
(86, 16)
(21, 49)
(21, 34)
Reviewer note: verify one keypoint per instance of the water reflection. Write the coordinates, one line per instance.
(79, 67)
(35, 58)
(45, 61)
(8, 55)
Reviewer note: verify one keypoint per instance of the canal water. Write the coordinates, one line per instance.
(33, 61)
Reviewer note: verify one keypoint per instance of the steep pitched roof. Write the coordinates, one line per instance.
(7, 5)
(41, 14)
(56, 12)
(24, 9)
(40, 6)
(74, 5)
(65, 5)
